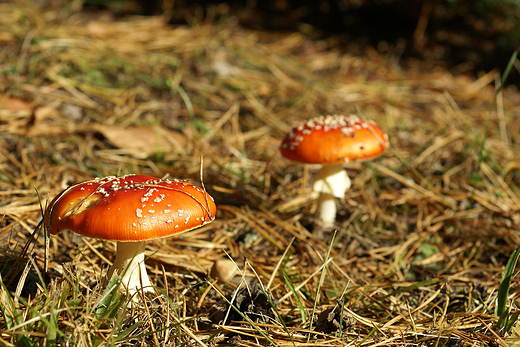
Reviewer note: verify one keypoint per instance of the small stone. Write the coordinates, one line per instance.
(224, 270)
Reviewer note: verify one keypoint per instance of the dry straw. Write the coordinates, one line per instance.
(422, 237)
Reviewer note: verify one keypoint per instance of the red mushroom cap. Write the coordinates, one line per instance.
(334, 139)
(130, 208)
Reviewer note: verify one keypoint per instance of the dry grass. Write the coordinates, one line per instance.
(422, 237)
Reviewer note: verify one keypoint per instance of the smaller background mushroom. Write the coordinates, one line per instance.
(332, 141)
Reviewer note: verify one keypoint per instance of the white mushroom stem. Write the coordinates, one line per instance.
(129, 266)
(332, 182)
(327, 210)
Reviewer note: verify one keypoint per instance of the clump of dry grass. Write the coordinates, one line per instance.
(422, 238)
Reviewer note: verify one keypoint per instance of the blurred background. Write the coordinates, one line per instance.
(460, 35)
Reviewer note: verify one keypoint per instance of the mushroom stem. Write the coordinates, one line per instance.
(129, 265)
(332, 182)
(327, 210)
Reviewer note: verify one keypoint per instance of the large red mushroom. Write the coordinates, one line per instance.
(130, 210)
(332, 141)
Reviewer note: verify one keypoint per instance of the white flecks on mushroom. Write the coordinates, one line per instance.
(347, 124)
(139, 212)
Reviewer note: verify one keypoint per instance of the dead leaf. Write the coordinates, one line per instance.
(13, 104)
(142, 141)
(513, 339)
(331, 321)
(37, 126)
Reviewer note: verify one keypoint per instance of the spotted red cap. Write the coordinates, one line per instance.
(333, 139)
(130, 208)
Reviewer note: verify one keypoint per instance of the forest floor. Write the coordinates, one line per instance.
(421, 242)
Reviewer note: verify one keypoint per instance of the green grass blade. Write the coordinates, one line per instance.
(507, 71)
(246, 318)
(296, 296)
(511, 321)
(372, 332)
(278, 314)
(105, 307)
(503, 289)
(320, 283)
(12, 316)
(123, 335)
(412, 287)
